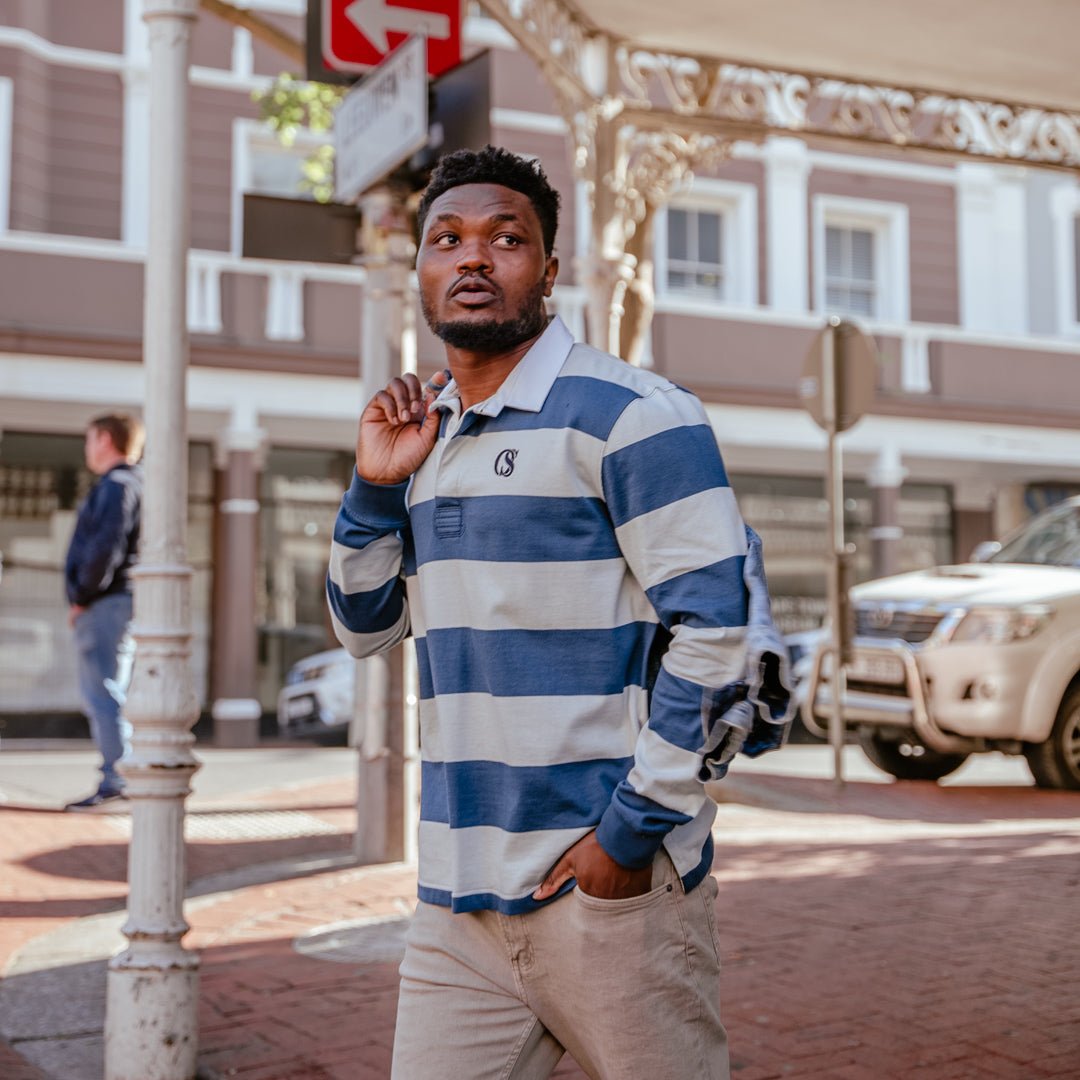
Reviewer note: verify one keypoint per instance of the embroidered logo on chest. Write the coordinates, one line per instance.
(504, 463)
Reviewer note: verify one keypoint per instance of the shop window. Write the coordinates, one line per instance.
(792, 516)
(300, 495)
(43, 480)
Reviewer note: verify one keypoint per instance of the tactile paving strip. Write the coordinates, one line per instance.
(246, 825)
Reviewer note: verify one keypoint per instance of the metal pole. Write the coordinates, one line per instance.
(385, 348)
(835, 498)
(151, 1025)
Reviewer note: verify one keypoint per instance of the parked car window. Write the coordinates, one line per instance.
(1052, 540)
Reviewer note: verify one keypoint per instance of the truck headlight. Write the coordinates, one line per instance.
(1000, 626)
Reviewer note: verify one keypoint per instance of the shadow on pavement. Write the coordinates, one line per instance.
(901, 958)
(108, 861)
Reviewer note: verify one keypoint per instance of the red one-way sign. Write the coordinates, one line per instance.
(357, 34)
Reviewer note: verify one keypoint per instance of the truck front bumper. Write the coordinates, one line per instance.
(953, 698)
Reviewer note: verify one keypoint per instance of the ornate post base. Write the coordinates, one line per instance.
(164, 1043)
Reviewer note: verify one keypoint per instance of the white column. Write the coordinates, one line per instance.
(136, 159)
(787, 167)
(151, 1023)
(7, 118)
(1064, 206)
(885, 479)
(992, 226)
(243, 53)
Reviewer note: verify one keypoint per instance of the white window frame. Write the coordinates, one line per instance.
(245, 133)
(1064, 210)
(737, 202)
(892, 263)
(7, 115)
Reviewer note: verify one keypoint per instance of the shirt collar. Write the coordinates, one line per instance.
(530, 382)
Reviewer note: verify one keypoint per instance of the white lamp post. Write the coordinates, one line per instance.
(151, 1030)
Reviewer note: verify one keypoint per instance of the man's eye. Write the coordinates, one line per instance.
(445, 240)
(507, 241)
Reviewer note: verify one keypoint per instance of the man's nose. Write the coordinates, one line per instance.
(473, 257)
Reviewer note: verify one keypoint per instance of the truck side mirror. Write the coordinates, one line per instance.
(984, 551)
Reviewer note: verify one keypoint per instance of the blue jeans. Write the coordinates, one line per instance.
(105, 651)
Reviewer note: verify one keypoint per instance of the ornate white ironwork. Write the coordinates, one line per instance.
(555, 36)
(758, 99)
(690, 93)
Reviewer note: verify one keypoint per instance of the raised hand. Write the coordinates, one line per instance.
(396, 430)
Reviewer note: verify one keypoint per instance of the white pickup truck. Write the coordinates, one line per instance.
(964, 659)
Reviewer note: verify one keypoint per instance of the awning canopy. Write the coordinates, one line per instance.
(1000, 50)
(991, 79)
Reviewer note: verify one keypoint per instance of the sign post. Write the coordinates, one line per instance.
(837, 388)
(380, 124)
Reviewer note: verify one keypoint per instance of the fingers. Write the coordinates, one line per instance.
(405, 401)
(408, 399)
(557, 877)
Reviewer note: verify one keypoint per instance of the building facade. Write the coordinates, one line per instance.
(965, 274)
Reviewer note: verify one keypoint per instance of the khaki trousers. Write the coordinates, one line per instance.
(630, 987)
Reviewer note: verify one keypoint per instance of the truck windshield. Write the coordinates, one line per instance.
(1051, 539)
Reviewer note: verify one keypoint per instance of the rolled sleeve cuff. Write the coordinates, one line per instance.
(378, 505)
(624, 844)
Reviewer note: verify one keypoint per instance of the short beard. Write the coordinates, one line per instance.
(492, 336)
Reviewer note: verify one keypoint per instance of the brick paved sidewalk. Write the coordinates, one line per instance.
(899, 931)
(889, 931)
(58, 868)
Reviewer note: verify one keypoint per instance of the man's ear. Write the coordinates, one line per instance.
(551, 272)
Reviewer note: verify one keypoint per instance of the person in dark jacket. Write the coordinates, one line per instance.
(103, 550)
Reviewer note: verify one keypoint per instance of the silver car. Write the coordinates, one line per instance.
(964, 659)
(318, 694)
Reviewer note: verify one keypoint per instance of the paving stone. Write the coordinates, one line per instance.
(889, 931)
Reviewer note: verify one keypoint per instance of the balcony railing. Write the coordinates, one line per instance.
(287, 306)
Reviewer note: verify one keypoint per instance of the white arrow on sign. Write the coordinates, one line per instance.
(373, 18)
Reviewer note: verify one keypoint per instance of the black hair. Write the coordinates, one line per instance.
(495, 165)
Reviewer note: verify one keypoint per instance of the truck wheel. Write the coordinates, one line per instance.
(906, 758)
(1056, 762)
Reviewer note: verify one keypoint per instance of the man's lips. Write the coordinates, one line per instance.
(473, 291)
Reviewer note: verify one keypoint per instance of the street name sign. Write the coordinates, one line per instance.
(382, 121)
(357, 35)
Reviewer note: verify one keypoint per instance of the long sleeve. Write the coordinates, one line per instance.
(364, 586)
(680, 532)
(101, 544)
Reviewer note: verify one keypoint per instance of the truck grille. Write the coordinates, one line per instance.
(886, 622)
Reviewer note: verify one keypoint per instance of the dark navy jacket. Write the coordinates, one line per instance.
(105, 544)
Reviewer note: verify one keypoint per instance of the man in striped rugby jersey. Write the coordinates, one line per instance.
(556, 531)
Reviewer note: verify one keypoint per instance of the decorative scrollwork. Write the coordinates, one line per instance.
(555, 37)
(651, 165)
(692, 87)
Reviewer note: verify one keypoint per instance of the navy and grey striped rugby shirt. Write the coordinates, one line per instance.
(559, 533)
